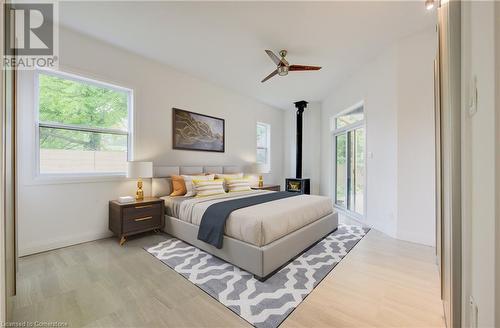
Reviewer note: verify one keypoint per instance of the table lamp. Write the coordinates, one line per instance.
(259, 169)
(139, 170)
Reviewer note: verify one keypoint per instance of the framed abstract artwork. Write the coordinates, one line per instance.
(194, 131)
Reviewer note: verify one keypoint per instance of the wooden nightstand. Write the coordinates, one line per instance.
(268, 187)
(133, 218)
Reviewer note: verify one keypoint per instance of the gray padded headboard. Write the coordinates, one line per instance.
(161, 184)
(167, 171)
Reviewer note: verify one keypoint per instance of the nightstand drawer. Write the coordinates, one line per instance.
(140, 211)
(141, 223)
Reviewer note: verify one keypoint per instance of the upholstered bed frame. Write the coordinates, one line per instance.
(260, 261)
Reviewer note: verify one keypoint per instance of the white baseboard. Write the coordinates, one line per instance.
(62, 242)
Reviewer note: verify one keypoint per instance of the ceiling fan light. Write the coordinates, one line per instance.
(282, 70)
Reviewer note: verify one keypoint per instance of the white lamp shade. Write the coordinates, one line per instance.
(139, 170)
(260, 168)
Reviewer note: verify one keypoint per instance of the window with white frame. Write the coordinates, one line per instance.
(83, 126)
(264, 144)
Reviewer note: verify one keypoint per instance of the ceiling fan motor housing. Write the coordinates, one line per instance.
(282, 70)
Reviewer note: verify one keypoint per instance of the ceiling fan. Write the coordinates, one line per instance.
(283, 67)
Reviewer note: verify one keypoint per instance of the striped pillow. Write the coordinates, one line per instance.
(189, 180)
(228, 176)
(209, 187)
(241, 184)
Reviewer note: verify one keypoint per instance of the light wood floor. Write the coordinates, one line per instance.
(382, 282)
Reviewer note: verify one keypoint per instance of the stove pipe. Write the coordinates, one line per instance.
(301, 105)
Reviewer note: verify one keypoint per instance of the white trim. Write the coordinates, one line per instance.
(352, 108)
(349, 127)
(350, 215)
(131, 121)
(82, 128)
(63, 242)
(49, 179)
(333, 119)
(35, 121)
(3, 261)
(41, 178)
(79, 78)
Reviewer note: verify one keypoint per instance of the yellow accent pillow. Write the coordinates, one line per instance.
(209, 187)
(226, 176)
(238, 184)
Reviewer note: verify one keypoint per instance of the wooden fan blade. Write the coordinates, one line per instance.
(270, 75)
(303, 68)
(273, 57)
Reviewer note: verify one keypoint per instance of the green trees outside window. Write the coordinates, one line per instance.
(81, 117)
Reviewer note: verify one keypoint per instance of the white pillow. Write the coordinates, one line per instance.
(209, 187)
(188, 179)
(242, 184)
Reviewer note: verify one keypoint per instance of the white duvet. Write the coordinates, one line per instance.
(258, 224)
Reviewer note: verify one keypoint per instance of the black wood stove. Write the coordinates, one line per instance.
(299, 184)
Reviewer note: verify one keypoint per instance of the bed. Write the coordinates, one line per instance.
(259, 239)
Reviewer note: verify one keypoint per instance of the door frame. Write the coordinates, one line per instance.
(333, 134)
(8, 182)
(449, 32)
(3, 271)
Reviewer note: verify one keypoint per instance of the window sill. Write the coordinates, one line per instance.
(53, 179)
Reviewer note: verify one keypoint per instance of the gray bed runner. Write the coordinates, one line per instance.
(213, 221)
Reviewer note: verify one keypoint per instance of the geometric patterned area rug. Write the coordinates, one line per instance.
(262, 304)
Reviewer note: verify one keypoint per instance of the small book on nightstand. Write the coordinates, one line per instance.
(126, 199)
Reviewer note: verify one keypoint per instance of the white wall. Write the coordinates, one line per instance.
(311, 154)
(397, 90)
(289, 135)
(479, 147)
(375, 84)
(416, 138)
(54, 214)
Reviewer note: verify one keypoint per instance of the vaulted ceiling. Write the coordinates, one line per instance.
(224, 42)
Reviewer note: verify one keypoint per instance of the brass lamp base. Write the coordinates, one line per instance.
(261, 181)
(139, 194)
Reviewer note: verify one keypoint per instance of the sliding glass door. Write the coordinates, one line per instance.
(349, 177)
(341, 170)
